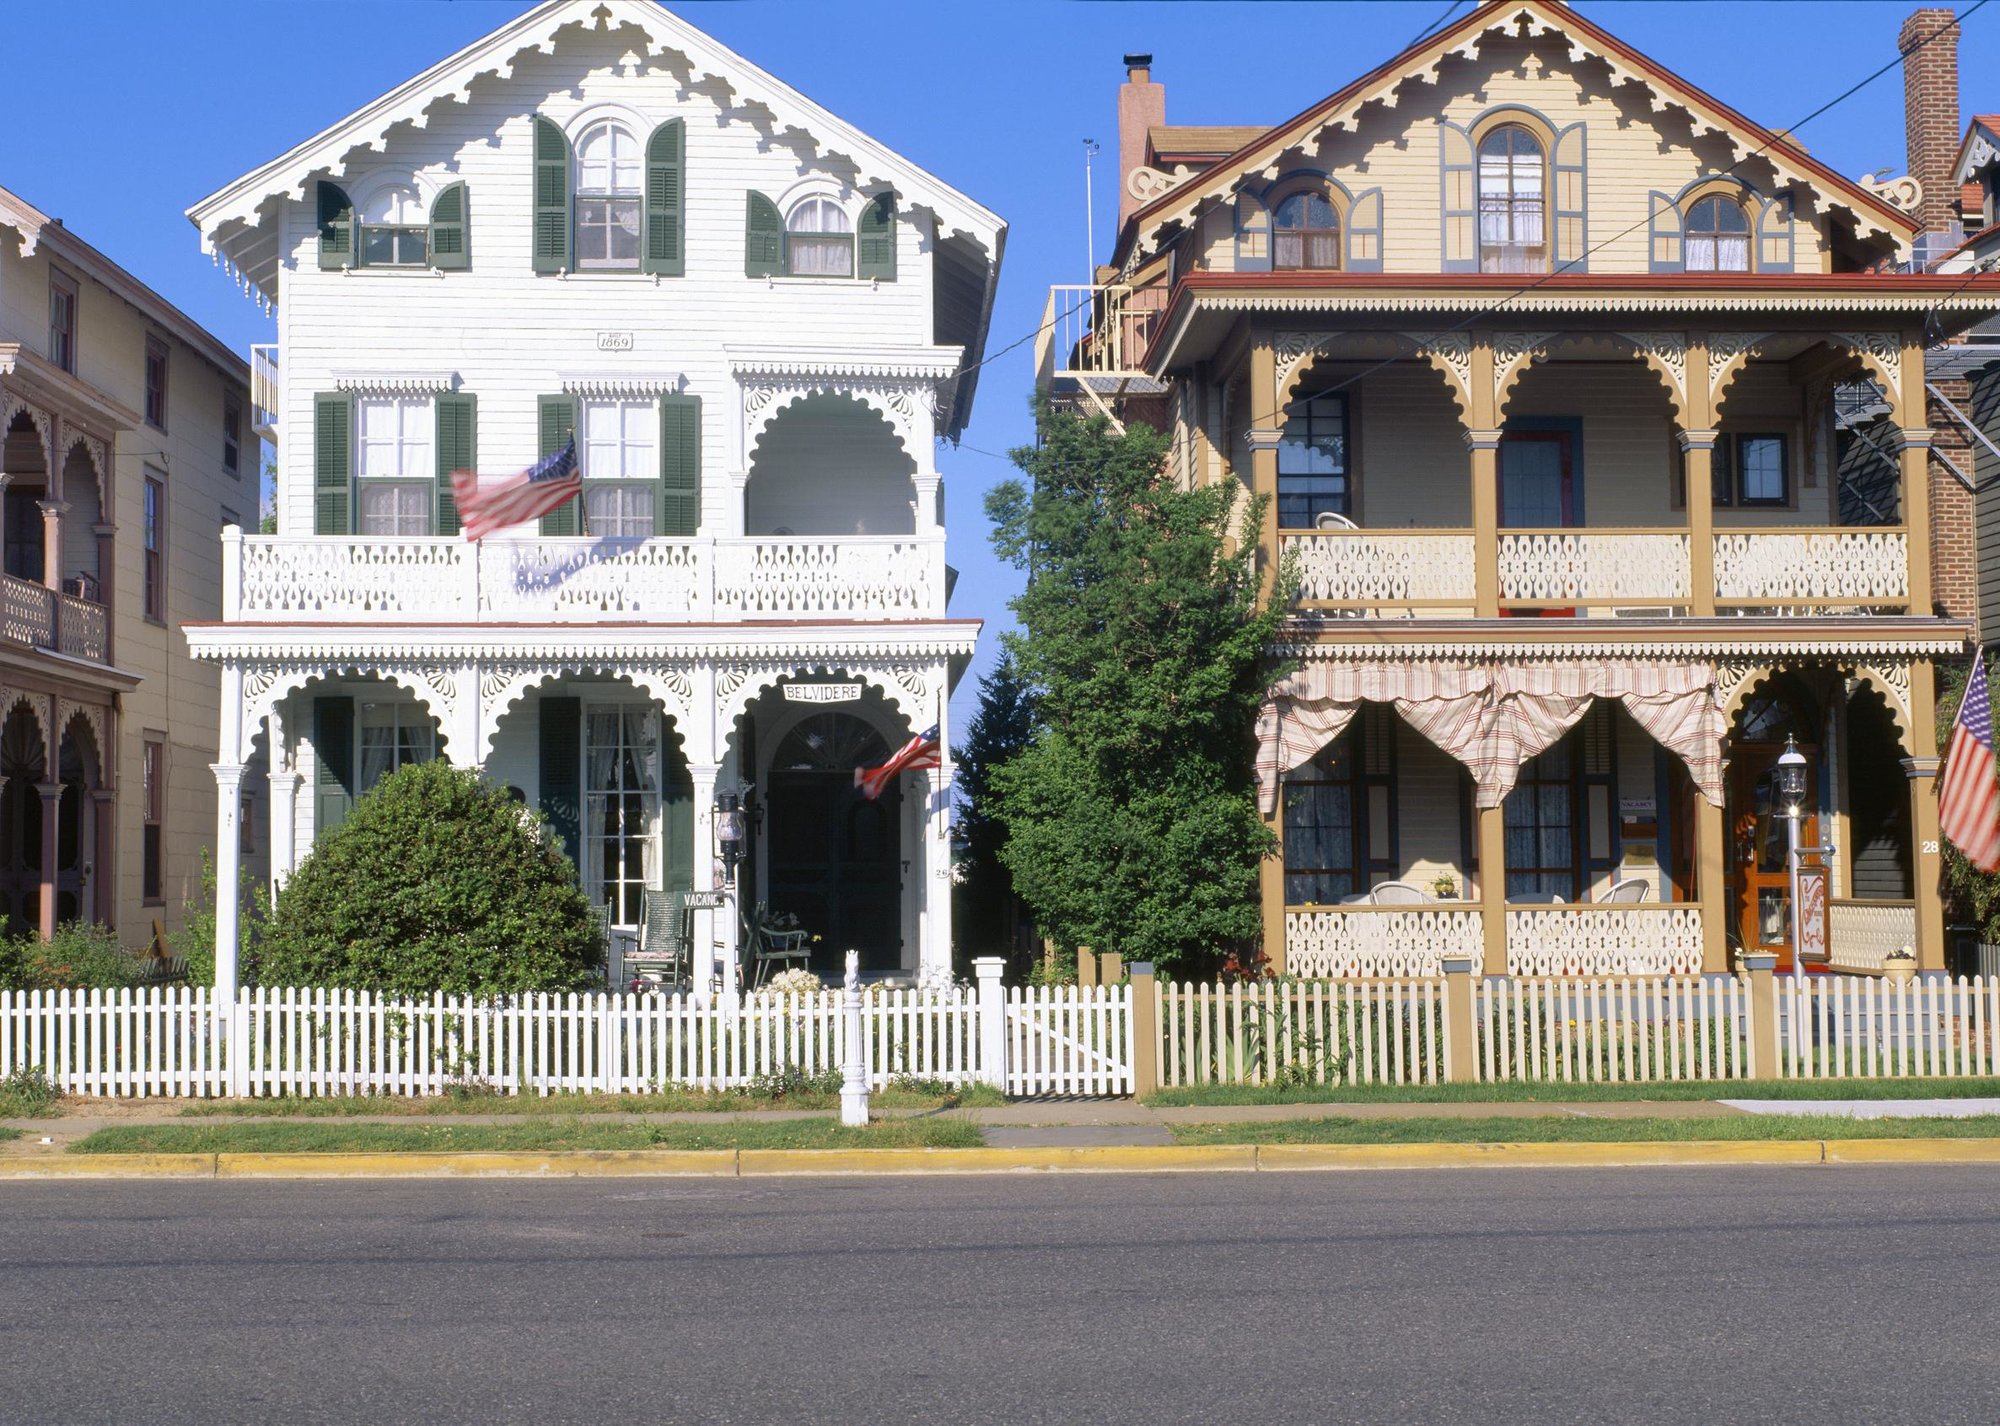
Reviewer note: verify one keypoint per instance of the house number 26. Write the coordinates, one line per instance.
(1930, 849)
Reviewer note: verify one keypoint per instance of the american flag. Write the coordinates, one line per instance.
(540, 488)
(920, 752)
(1968, 802)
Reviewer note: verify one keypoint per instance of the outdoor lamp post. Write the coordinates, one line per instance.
(1792, 781)
(729, 832)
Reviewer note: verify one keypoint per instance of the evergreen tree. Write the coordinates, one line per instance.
(1131, 814)
(985, 909)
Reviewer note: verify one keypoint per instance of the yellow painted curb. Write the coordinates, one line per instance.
(1648, 1153)
(1913, 1151)
(579, 1163)
(108, 1166)
(1106, 1158)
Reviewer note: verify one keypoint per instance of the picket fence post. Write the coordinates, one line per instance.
(992, 1022)
(1145, 1029)
(1763, 1014)
(1460, 1036)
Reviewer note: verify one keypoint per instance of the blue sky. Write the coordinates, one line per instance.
(178, 98)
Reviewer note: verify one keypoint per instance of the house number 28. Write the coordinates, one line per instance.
(1930, 849)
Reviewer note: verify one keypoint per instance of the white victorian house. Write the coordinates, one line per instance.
(757, 322)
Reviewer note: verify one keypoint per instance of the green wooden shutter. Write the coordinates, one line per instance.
(552, 205)
(663, 249)
(678, 795)
(561, 739)
(1572, 234)
(450, 227)
(1663, 234)
(763, 237)
(336, 227)
(457, 449)
(1459, 200)
(333, 760)
(557, 425)
(333, 463)
(875, 243)
(677, 507)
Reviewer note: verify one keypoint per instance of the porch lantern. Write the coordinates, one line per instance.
(1792, 779)
(729, 831)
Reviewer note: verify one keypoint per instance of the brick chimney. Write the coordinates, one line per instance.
(1930, 111)
(1141, 105)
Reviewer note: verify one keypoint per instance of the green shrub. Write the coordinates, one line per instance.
(27, 1094)
(81, 957)
(195, 941)
(436, 881)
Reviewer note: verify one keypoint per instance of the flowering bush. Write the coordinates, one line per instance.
(794, 982)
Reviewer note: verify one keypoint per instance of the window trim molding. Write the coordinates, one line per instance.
(153, 579)
(1544, 133)
(62, 280)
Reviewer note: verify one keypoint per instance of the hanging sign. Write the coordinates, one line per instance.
(1812, 914)
(705, 900)
(822, 692)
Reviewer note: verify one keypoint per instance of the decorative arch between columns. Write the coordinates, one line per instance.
(504, 685)
(910, 687)
(908, 404)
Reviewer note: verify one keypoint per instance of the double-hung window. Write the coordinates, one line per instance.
(62, 320)
(1313, 473)
(232, 433)
(393, 735)
(1305, 233)
(395, 473)
(153, 795)
(819, 240)
(608, 168)
(394, 230)
(1339, 813)
(621, 467)
(156, 383)
(1752, 469)
(155, 537)
(621, 815)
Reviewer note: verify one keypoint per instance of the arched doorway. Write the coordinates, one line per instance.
(23, 758)
(76, 823)
(1780, 708)
(835, 858)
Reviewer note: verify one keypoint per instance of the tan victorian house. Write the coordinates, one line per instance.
(1478, 327)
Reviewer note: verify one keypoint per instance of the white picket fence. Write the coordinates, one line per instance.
(288, 1041)
(1861, 1027)
(1317, 1032)
(1622, 1029)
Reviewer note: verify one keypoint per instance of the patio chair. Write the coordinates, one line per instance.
(1398, 893)
(1329, 520)
(770, 946)
(1632, 888)
(662, 956)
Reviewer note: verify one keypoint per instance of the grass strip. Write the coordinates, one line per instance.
(1517, 1092)
(538, 1135)
(1565, 1129)
(689, 1101)
(6, 1134)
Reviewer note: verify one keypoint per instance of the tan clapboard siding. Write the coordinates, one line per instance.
(1628, 446)
(508, 332)
(1427, 808)
(1412, 463)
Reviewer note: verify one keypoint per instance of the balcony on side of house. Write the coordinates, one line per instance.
(1094, 339)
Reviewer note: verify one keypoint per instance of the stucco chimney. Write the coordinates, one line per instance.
(1930, 111)
(1141, 105)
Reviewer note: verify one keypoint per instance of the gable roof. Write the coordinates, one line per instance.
(1422, 60)
(1979, 148)
(231, 220)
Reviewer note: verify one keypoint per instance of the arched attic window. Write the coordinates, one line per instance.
(1513, 201)
(1305, 233)
(819, 239)
(394, 228)
(1717, 236)
(608, 171)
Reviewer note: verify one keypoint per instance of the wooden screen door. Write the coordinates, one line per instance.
(1760, 874)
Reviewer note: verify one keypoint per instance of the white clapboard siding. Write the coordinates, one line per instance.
(1868, 1028)
(1622, 1029)
(1319, 1032)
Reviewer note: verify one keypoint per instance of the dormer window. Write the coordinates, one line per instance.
(819, 240)
(1305, 234)
(608, 169)
(1717, 237)
(1513, 199)
(394, 229)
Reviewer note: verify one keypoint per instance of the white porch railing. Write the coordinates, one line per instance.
(335, 579)
(1100, 330)
(1861, 934)
(43, 618)
(1604, 940)
(1375, 569)
(1378, 942)
(1812, 567)
(1557, 567)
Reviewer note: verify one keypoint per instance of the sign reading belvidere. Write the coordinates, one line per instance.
(822, 692)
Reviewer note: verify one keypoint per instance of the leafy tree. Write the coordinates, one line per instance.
(1131, 815)
(985, 908)
(436, 881)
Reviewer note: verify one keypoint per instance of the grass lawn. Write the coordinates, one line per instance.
(678, 1101)
(1520, 1092)
(543, 1134)
(6, 1134)
(1567, 1129)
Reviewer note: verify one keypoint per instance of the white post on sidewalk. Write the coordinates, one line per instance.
(854, 1064)
(992, 1022)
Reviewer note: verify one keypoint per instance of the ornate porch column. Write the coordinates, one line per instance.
(1267, 428)
(284, 780)
(1698, 476)
(51, 793)
(1493, 886)
(103, 859)
(1484, 445)
(52, 549)
(1913, 417)
(228, 874)
(934, 947)
(1926, 865)
(705, 959)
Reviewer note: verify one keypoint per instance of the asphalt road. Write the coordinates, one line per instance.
(1769, 1295)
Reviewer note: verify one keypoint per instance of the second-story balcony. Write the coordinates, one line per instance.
(286, 579)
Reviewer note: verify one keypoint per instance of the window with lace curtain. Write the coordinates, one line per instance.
(1305, 233)
(1513, 201)
(621, 812)
(393, 735)
(819, 240)
(1716, 237)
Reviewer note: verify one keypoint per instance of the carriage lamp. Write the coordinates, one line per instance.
(1792, 779)
(729, 831)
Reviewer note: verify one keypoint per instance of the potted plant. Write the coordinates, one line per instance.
(1900, 964)
(1444, 886)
